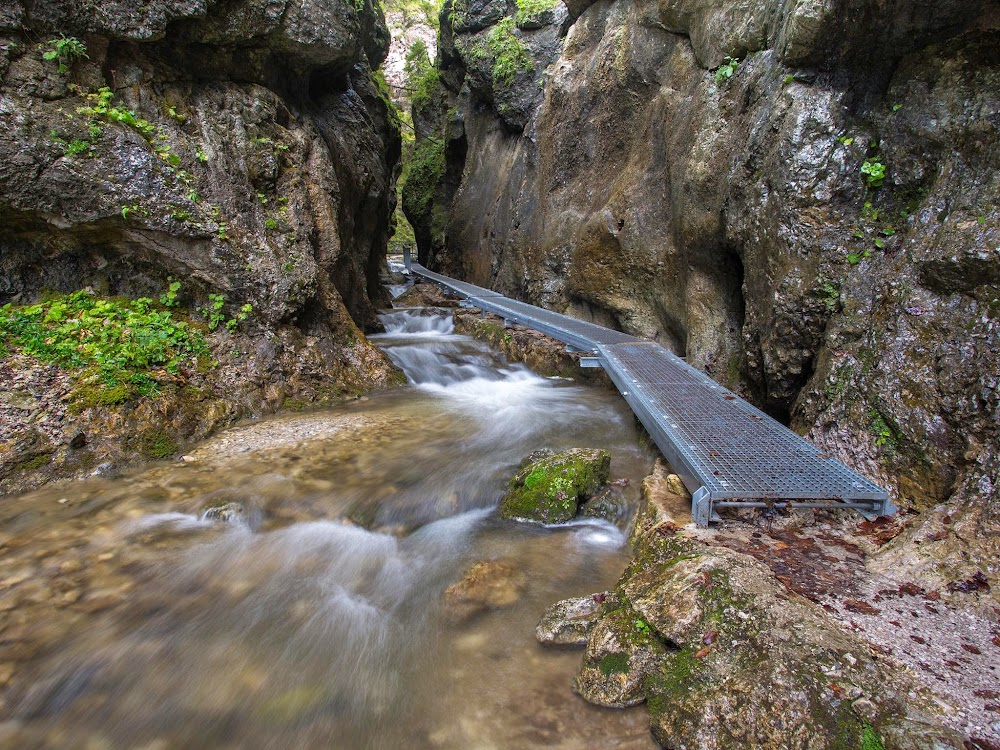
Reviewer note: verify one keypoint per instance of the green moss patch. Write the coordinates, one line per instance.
(157, 444)
(613, 663)
(550, 490)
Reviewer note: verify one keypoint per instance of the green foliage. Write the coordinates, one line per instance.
(77, 147)
(240, 317)
(157, 444)
(213, 313)
(215, 316)
(422, 78)
(169, 297)
(874, 172)
(176, 116)
(529, 11)
(830, 294)
(725, 71)
(270, 223)
(884, 434)
(200, 155)
(114, 342)
(101, 108)
(66, 50)
(425, 171)
(642, 627)
(508, 52)
(416, 11)
(136, 209)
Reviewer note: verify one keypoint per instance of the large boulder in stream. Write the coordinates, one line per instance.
(550, 489)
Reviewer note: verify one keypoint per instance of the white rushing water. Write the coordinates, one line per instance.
(310, 614)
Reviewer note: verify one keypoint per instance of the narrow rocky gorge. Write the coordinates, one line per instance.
(800, 198)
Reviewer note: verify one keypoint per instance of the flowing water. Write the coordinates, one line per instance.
(285, 589)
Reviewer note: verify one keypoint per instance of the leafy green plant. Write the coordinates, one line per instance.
(240, 317)
(642, 626)
(270, 224)
(200, 155)
(530, 11)
(176, 116)
(726, 71)
(847, 140)
(508, 52)
(884, 434)
(422, 78)
(213, 313)
(874, 172)
(169, 297)
(136, 209)
(101, 108)
(66, 50)
(112, 344)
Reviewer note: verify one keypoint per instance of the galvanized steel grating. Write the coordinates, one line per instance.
(725, 449)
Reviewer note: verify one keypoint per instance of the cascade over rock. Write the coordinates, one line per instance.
(817, 229)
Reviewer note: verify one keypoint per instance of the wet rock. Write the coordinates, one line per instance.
(608, 503)
(725, 658)
(622, 653)
(550, 490)
(226, 512)
(569, 622)
(486, 586)
(425, 295)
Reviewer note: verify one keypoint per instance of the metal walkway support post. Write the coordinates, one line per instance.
(701, 507)
(406, 259)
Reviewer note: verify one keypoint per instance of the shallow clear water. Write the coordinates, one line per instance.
(314, 616)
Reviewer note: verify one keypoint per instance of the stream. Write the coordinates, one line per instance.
(285, 587)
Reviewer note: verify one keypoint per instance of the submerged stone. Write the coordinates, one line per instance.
(570, 621)
(608, 503)
(487, 585)
(551, 489)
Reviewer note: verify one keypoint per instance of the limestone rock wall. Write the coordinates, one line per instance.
(243, 148)
(616, 177)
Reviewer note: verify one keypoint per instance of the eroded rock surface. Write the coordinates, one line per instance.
(243, 149)
(622, 181)
(724, 656)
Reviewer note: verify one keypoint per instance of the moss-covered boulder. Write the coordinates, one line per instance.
(551, 489)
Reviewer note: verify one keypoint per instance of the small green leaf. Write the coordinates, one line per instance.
(896, 107)
(879, 243)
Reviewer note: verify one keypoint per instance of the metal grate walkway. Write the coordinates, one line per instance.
(728, 452)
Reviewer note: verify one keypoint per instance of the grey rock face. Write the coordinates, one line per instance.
(731, 221)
